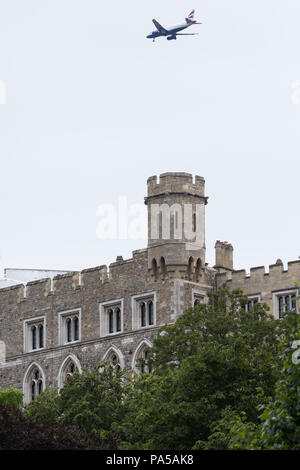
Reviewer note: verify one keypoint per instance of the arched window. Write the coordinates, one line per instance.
(143, 313)
(115, 358)
(113, 361)
(162, 267)
(41, 336)
(33, 336)
(68, 368)
(118, 319)
(69, 330)
(76, 328)
(69, 326)
(141, 363)
(111, 320)
(150, 313)
(190, 268)
(143, 310)
(198, 270)
(34, 333)
(34, 383)
(154, 268)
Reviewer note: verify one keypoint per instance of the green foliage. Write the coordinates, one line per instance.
(45, 407)
(11, 397)
(212, 386)
(280, 419)
(93, 401)
(216, 356)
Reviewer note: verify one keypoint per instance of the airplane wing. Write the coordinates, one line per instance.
(160, 28)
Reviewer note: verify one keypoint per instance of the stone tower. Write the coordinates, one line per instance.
(176, 225)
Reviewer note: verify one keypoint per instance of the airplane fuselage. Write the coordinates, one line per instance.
(169, 31)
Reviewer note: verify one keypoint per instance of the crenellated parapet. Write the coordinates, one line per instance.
(176, 183)
(64, 283)
(259, 280)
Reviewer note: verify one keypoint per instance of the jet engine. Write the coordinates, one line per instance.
(169, 38)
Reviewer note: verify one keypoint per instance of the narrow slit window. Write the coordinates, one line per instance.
(150, 313)
(143, 314)
(76, 328)
(41, 336)
(33, 333)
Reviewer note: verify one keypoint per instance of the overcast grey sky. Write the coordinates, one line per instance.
(94, 108)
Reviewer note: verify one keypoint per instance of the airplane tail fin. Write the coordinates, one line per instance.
(190, 18)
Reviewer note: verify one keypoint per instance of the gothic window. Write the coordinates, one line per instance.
(114, 320)
(114, 361)
(198, 270)
(34, 334)
(111, 317)
(114, 358)
(143, 314)
(111, 320)
(68, 368)
(150, 313)
(163, 270)
(41, 335)
(69, 326)
(141, 363)
(34, 383)
(154, 268)
(285, 301)
(118, 319)
(190, 268)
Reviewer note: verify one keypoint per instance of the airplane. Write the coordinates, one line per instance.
(173, 32)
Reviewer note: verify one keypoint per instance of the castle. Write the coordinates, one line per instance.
(50, 327)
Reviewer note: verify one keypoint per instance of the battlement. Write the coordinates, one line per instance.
(67, 282)
(176, 183)
(259, 276)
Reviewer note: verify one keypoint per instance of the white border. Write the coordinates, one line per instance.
(62, 314)
(134, 317)
(104, 327)
(26, 339)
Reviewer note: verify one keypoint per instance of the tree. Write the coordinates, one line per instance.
(91, 401)
(279, 427)
(11, 397)
(214, 357)
(45, 408)
(18, 432)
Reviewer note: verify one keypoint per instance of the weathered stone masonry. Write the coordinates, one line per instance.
(164, 279)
